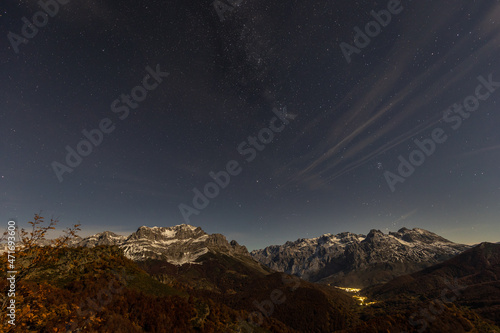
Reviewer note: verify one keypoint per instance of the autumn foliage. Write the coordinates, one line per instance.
(63, 288)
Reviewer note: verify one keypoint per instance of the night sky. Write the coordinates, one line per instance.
(180, 89)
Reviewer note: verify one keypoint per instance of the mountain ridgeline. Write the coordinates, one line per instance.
(344, 260)
(351, 260)
(181, 279)
(181, 244)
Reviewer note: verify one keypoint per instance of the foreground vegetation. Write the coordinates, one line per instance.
(73, 289)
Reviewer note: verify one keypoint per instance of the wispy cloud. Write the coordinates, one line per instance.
(404, 217)
(479, 151)
(375, 114)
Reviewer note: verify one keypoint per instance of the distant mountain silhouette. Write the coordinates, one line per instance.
(471, 279)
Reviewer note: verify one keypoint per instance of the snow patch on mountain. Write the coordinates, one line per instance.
(359, 259)
(180, 244)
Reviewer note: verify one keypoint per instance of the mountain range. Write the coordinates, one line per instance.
(344, 260)
(181, 279)
(180, 244)
(352, 260)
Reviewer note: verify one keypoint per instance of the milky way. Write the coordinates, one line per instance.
(363, 85)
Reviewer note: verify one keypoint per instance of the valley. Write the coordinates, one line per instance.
(181, 279)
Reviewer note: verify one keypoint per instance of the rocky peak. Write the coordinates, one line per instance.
(219, 243)
(374, 235)
(178, 245)
(240, 249)
(348, 258)
(182, 231)
(102, 238)
(418, 235)
(349, 237)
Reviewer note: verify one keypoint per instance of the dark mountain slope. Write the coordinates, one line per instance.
(471, 279)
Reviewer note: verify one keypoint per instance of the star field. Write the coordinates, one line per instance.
(346, 119)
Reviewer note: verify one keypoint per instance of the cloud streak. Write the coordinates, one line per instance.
(378, 121)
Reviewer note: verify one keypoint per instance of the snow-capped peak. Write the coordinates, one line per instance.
(337, 256)
(179, 244)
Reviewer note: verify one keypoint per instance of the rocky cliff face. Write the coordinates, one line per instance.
(103, 238)
(178, 245)
(352, 260)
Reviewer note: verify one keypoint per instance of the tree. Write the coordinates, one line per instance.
(31, 252)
